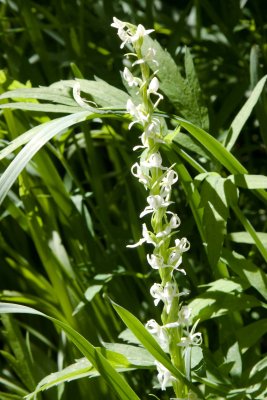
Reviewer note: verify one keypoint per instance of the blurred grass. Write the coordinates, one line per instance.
(66, 222)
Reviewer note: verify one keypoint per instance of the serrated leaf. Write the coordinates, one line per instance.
(184, 93)
(101, 92)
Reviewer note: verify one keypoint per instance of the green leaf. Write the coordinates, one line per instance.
(45, 132)
(21, 362)
(42, 107)
(233, 356)
(244, 114)
(101, 92)
(215, 148)
(245, 237)
(7, 396)
(223, 297)
(151, 345)
(60, 95)
(136, 355)
(101, 364)
(82, 368)
(184, 93)
(246, 270)
(249, 181)
(215, 228)
(249, 335)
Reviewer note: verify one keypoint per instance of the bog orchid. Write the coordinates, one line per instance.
(166, 257)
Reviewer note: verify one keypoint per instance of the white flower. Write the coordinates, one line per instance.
(137, 112)
(165, 378)
(151, 132)
(155, 329)
(184, 315)
(147, 238)
(192, 338)
(140, 33)
(153, 89)
(173, 224)
(123, 35)
(166, 294)
(118, 24)
(168, 180)
(130, 79)
(154, 161)
(175, 257)
(156, 261)
(127, 36)
(149, 56)
(155, 203)
(76, 91)
(153, 86)
(138, 172)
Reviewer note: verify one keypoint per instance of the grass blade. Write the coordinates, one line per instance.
(101, 364)
(46, 132)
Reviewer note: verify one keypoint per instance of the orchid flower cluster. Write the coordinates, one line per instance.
(174, 335)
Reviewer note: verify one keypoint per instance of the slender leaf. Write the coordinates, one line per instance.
(113, 378)
(46, 132)
(243, 115)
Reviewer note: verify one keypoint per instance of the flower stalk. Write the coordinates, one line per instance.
(174, 335)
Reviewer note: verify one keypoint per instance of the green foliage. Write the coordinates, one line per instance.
(70, 206)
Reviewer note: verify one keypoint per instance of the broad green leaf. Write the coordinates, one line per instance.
(224, 296)
(244, 114)
(136, 355)
(46, 132)
(245, 237)
(215, 214)
(184, 93)
(258, 380)
(213, 191)
(246, 270)
(249, 335)
(249, 181)
(189, 143)
(101, 364)
(223, 285)
(100, 91)
(233, 356)
(215, 228)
